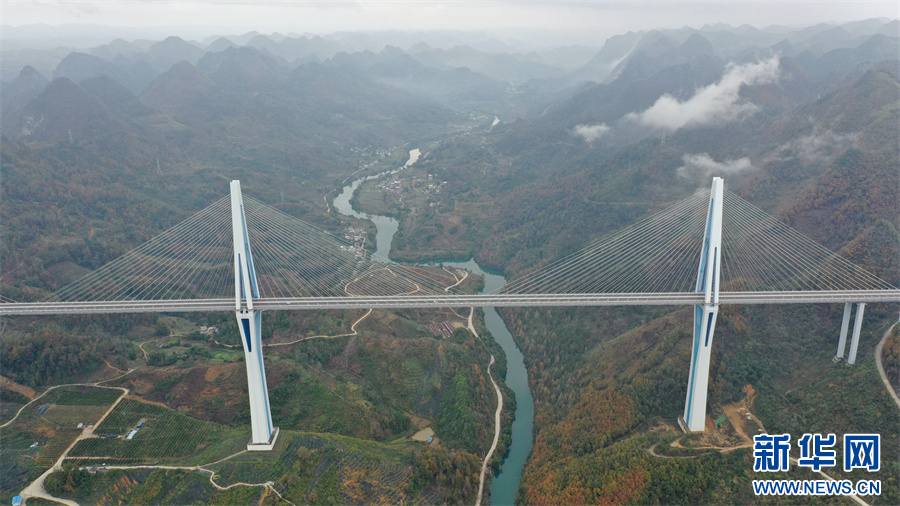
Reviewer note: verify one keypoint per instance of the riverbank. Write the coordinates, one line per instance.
(505, 484)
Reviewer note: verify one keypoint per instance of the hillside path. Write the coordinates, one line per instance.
(36, 488)
(490, 453)
(878, 351)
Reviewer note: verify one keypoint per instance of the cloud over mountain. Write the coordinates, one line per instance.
(717, 103)
(703, 165)
(590, 133)
(817, 146)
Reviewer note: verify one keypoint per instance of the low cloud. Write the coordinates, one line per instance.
(717, 103)
(702, 165)
(816, 147)
(591, 133)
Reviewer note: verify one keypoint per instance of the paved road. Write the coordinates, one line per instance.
(884, 378)
(490, 453)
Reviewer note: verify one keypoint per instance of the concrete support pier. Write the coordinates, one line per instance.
(857, 326)
(845, 325)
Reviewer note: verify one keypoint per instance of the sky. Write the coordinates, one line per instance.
(202, 18)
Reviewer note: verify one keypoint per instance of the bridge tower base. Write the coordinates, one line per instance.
(705, 314)
(263, 434)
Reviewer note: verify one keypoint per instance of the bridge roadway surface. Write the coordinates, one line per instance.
(431, 301)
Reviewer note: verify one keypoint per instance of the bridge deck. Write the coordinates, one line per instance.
(422, 301)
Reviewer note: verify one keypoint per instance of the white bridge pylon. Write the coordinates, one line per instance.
(249, 324)
(705, 314)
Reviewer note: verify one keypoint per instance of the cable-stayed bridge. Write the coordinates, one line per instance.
(439, 301)
(241, 255)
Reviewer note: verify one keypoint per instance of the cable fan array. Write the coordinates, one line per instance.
(295, 259)
(760, 253)
(195, 260)
(660, 254)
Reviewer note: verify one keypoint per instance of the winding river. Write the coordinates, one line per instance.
(505, 484)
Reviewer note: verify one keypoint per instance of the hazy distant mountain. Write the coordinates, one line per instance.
(602, 64)
(511, 67)
(891, 29)
(834, 65)
(16, 94)
(115, 97)
(79, 66)
(263, 42)
(136, 75)
(166, 53)
(454, 87)
(64, 111)
(115, 48)
(461, 87)
(642, 78)
(656, 52)
(292, 49)
(220, 44)
(323, 90)
(243, 69)
(178, 91)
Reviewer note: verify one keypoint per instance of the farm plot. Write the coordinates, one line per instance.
(326, 468)
(165, 434)
(43, 431)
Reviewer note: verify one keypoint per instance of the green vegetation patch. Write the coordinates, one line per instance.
(165, 434)
(86, 396)
(145, 486)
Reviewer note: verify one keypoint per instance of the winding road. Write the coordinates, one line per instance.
(490, 453)
(878, 352)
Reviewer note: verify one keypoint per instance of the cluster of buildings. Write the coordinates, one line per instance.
(371, 153)
(435, 189)
(429, 186)
(209, 331)
(357, 236)
(390, 185)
